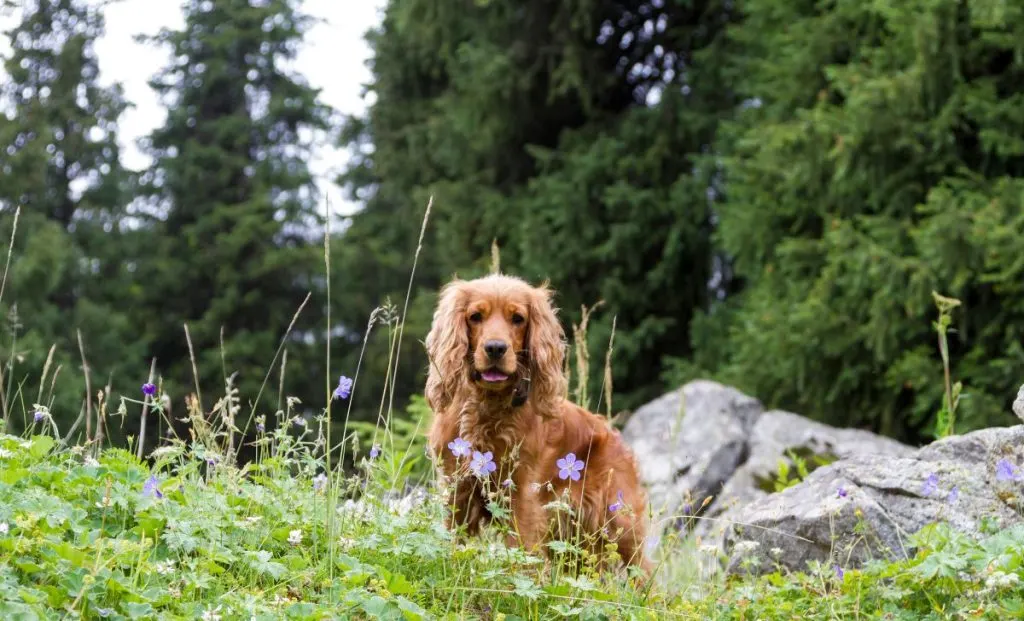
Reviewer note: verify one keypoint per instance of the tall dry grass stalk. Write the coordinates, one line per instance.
(3, 287)
(579, 335)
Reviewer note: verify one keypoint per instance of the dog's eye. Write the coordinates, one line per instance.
(517, 318)
(476, 317)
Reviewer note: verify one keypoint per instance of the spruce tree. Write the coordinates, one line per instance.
(234, 206)
(566, 132)
(60, 165)
(879, 160)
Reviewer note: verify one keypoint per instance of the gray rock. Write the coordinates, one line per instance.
(885, 500)
(774, 436)
(688, 443)
(1018, 404)
(707, 440)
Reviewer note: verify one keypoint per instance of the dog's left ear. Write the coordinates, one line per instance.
(546, 345)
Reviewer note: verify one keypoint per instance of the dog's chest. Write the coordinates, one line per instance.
(496, 434)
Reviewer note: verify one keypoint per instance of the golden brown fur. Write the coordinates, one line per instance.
(525, 420)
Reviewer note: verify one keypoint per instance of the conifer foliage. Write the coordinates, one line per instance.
(880, 158)
(59, 165)
(232, 202)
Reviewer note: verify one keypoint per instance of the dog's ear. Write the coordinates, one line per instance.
(546, 344)
(447, 346)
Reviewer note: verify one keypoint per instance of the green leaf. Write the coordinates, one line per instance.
(41, 445)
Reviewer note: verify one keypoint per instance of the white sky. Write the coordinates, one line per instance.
(333, 58)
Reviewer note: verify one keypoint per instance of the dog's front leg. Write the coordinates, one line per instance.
(529, 519)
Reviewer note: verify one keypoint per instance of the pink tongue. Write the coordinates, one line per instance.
(493, 376)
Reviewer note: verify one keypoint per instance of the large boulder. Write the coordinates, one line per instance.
(867, 505)
(779, 436)
(688, 443)
(706, 449)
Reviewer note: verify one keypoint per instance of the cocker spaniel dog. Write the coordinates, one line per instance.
(502, 422)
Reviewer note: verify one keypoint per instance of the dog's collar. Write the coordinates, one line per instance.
(521, 393)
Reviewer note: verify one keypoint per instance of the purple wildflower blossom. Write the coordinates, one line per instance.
(344, 388)
(148, 389)
(506, 483)
(260, 427)
(839, 572)
(842, 493)
(615, 506)
(954, 495)
(931, 484)
(482, 464)
(151, 489)
(319, 482)
(39, 416)
(374, 451)
(1005, 471)
(460, 447)
(569, 467)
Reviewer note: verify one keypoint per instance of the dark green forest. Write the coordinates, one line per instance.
(762, 192)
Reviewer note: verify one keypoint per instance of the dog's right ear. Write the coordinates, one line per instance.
(447, 346)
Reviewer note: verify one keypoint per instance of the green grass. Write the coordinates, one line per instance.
(86, 537)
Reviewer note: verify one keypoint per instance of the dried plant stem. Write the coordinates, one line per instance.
(88, 391)
(195, 368)
(46, 371)
(145, 412)
(3, 287)
(405, 307)
(607, 392)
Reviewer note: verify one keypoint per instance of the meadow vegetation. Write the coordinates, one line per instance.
(91, 530)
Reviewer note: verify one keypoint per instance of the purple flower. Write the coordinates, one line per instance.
(151, 489)
(842, 492)
(374, 451)
(930, 484)
(615, 506)
(839, 572)
(459, 447)
(39, 416)
(344, 388)
(954, 494)
(506, 483)
(482, 464)
(319, 482)
(569, 467)
(148, 389)
(260, 427)
(1005, 471)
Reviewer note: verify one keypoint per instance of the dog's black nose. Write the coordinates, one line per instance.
(495, 349)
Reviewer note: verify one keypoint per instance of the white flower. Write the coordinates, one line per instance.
(91, 461)
(295, 537)
(746, 547)
(4, 528)
(212, 615)
(709, 548)
(164, 567)
(776, 552)
(4, 453)
(1000, 580)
